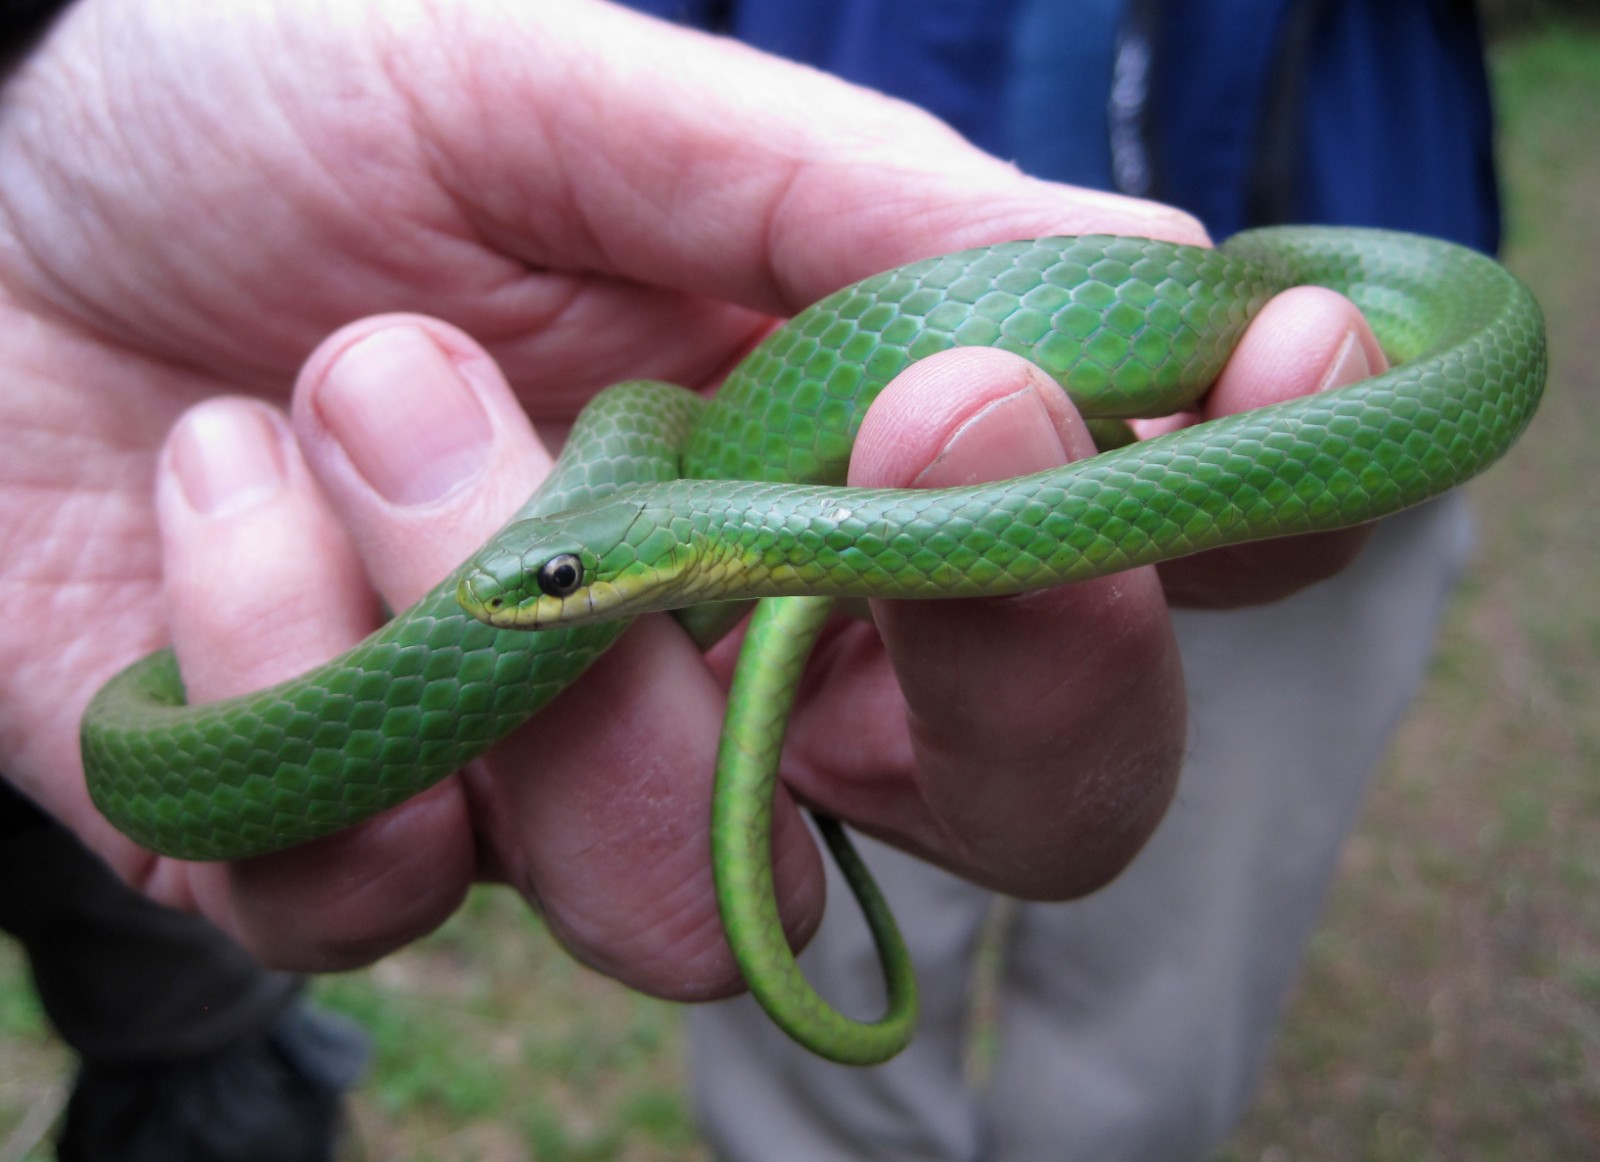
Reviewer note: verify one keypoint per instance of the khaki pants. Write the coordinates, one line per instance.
(1135, 1022)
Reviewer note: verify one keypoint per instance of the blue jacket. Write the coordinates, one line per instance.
(1244, 112)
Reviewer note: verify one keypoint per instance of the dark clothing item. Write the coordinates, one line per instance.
(1243, 112)
(272, 1096)
(190, 1050)
(108, 962)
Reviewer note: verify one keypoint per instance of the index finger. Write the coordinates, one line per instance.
(673, 158)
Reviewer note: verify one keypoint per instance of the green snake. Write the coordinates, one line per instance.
(660, 502)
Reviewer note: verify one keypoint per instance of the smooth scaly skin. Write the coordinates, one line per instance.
(1129, 327)
(771, 659)
(1466, 335)
(413, 702)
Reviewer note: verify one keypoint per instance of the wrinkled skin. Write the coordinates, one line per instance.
(197, 196)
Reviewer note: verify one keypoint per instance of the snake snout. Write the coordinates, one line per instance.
(490, 594)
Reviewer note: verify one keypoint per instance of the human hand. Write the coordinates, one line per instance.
(195, 196)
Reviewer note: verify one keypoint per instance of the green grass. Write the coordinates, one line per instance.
(490, 1044)
(33, 1067)
(1451, 1003)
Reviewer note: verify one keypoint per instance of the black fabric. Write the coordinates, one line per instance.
(22, 20)
(189, 1050)
(274, 1097)
(18, 813)
(122, 978)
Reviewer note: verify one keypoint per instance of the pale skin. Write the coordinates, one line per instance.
(198, 200)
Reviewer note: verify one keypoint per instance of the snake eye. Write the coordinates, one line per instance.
(560, 576)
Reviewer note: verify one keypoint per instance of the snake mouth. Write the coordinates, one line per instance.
(483, 596)
(486, 597)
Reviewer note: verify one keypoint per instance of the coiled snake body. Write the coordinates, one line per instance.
(665, 503)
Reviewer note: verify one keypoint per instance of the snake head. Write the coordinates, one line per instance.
(586, 564)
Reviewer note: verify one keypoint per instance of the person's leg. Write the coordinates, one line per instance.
(1137, 1021)
(759, 1096)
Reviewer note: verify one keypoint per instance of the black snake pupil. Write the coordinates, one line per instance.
(560, 576)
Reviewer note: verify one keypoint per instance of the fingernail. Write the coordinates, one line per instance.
(1015, 431)
(1348, 365)
(228, 457)
(409, 422)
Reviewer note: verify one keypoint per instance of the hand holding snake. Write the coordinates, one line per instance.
(1127, 327)
(137, 311)
(144, 276)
